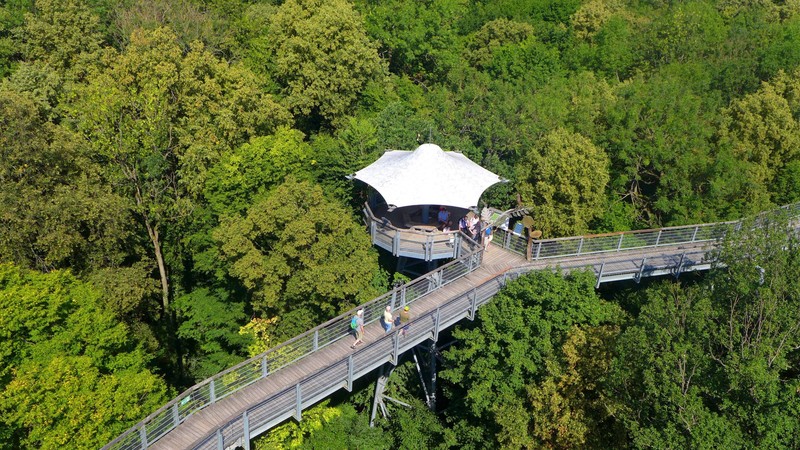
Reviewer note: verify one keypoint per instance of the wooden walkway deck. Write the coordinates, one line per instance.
(496, 261)
(199, 425)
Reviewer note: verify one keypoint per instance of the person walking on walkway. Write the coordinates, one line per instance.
(405, 317)
(357, 324)
(387, 319)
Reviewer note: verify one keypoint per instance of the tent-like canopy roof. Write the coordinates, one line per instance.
(427, 176)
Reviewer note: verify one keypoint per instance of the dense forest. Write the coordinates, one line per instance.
(173, 199)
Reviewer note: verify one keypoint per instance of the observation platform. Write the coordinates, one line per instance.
(230, 408)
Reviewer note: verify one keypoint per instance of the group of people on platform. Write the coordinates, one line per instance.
(387, 322)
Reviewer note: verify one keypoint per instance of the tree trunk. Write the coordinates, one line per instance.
(162, 268)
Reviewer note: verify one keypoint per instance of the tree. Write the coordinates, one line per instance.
(508, 349)
(69, 372)
(712, 365)
(563, 179)
(301, 256)
(322, 56)
(209, 331)
(166, 117)
(762, 131)
(57, 211)
(417, 38)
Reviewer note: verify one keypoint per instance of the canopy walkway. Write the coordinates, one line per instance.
(248, 399)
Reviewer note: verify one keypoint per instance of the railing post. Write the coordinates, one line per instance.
(694, 235)
(436, 325)
(473, 304)
(176, 417)
(143, 436)
(507, 240)
(619, 244)
(641, 271)
(600, 275)
(298, 409)
(245, 431)
(264, 366)
(658, 238)
(680, 264)
(316, 340)
(395, 243)
(538, 249)
(396, 353)
(350, 373)
(580, 246)
(403, 295)
(212, 392)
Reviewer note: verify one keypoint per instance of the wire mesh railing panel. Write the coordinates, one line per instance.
(322, 381)
(209, 443)
(550, 249)
(159, 425)
(638, 240)
(130, 441)
(454, 272)
(235, 380)
(672, 236)
(233, 432)
(712, 232)
(272, 408)
(194, 401)
(597, 244)
(282, 356)
(333, 331)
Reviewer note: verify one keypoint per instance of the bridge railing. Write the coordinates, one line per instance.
(237, 377)
(625, 240)
(388, 348)
(231, 380)
(412, 243)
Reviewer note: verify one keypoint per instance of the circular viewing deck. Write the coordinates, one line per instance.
(404, 232)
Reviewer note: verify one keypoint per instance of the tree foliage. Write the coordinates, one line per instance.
(69, 372)
(300, 254)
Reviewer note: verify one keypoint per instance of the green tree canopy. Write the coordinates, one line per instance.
(301, 255)
(563, 179)
(69, 372)
(322, 56)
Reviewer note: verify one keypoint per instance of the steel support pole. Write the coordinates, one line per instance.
(245, 431)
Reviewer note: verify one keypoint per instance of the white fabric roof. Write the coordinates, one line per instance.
(427, 176)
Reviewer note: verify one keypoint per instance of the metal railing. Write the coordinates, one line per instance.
(341, 374)
(412, 243)
(307, 391)
(625, 240)
(209, 391)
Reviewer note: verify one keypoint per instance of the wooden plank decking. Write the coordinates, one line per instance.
(495, 262)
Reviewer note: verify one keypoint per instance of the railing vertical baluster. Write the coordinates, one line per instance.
(580, 246)
(176, 417)
(403, 295)
(245, 431)
(212, 392)
(316, 340)
(694, 235)
(641, 270)
(619, 244)
(395, 243)
(298, 408)
(396, 352)
(600, 275)
(473, 304)
(538, 249)
(264, 371)
(658, 238)
(436, 325)
(350, 373)
(143, 437)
